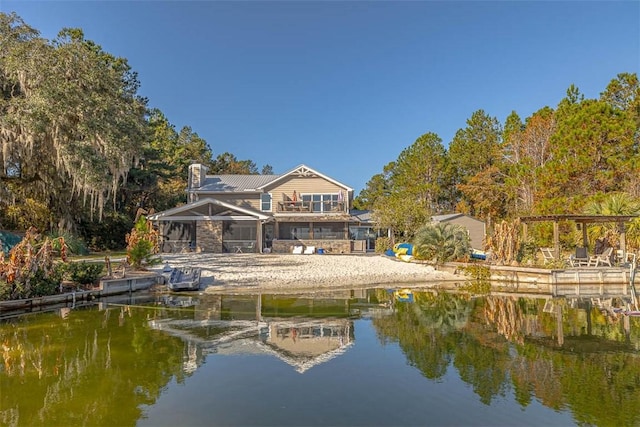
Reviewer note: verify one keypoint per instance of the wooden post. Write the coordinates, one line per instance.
(623, 241)
(559, 325)
(556, 239)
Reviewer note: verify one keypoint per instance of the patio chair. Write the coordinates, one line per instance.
(603, 258)
(580, 258)
(548, 255)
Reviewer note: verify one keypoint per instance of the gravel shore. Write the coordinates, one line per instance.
(287, 273)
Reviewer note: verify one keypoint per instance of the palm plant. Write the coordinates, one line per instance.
(616, 204)
(441, 242)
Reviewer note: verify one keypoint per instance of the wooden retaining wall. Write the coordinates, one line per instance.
(570, 282)
(590, 282)
(130, 283)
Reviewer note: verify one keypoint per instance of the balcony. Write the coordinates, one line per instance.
(300, 206)
(291, 206)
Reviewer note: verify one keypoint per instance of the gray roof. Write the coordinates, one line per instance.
(361, 216)
(440, 218)
(235, 183)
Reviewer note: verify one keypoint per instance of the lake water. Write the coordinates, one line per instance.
(373, 357)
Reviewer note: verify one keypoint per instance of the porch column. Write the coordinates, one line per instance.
(259, 235)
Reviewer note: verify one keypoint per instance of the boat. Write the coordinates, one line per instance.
(184, 279)
(478, 254)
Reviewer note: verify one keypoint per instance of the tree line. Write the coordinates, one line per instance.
(583, 156)
(82, 150)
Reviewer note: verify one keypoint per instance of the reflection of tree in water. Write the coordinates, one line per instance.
(485, 366)
(422, 325)
(510, 344)
(76, 370)
(508, 316)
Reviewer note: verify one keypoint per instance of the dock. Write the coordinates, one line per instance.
(601, 282)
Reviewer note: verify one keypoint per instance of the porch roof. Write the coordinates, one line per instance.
(189, 212)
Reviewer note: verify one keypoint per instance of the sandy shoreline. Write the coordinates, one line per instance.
(224, 273)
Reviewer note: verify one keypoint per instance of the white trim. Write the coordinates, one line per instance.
(270, 202)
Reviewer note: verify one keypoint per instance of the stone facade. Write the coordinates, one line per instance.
(209, 236)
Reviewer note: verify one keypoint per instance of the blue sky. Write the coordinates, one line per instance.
(345, 86)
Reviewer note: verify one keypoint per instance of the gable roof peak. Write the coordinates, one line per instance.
(303, 170)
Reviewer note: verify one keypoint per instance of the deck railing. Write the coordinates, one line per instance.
(308, 207)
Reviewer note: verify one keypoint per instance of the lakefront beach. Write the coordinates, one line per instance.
(287, 272)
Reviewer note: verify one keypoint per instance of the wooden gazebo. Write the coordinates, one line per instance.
(583, 220)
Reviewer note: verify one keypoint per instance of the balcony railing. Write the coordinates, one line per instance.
(291, 206)
(307, 207)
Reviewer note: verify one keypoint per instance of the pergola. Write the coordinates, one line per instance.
(619, 220)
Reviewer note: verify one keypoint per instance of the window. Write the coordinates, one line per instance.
(328, 231)
(265, 200)
(294, 230)
(242, 230)
(321, 202)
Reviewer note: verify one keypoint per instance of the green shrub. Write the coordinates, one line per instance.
(479, 281)
(84, 273)
(35, 283)
(5, 291)
(43, 283)
(382, 244)
(527, 253)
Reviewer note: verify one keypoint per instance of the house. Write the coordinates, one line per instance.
(475, 227)
(264, 213)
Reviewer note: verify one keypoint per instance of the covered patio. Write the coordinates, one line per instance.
(211, 225)
(582, 221)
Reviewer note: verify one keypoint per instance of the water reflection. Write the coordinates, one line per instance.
(110, 364)
(261, 325)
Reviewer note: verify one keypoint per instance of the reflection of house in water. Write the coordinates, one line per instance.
(302, 332)
(306, 342)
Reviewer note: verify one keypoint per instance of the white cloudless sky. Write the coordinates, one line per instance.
(345, 86)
